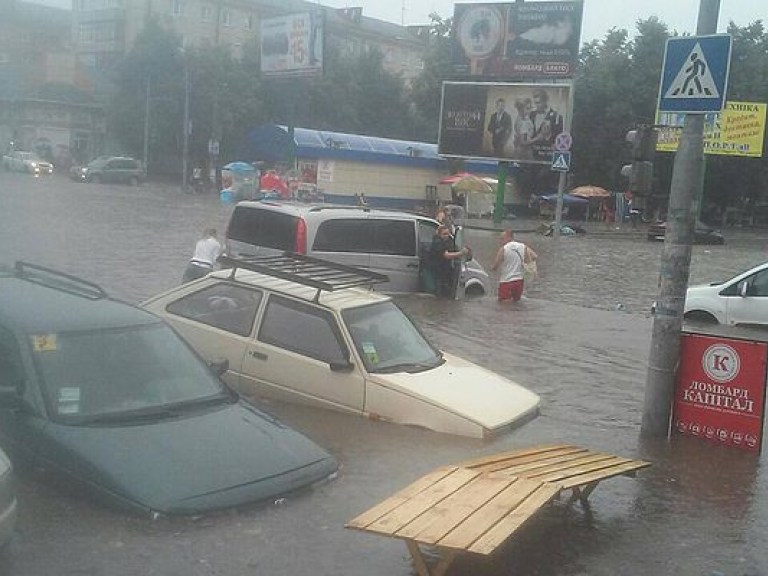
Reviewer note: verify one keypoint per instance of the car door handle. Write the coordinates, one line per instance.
(412, 265)
(257, 355)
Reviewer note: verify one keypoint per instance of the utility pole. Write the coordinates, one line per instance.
(185, 145)
(687, 182)
(146, 122)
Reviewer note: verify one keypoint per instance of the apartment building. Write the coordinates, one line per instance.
(104, 30)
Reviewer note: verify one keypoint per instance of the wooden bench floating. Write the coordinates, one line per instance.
(477, 505)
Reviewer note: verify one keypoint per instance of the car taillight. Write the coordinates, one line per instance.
(301, 237)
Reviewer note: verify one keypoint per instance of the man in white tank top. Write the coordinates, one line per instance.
(509, 262)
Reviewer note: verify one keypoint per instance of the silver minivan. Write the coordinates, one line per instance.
(385, 241)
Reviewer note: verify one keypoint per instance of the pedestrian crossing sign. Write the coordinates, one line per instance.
(695, 74)
(561, 161)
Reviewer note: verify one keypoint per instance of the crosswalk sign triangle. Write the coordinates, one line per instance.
(559, 162)
(694, 80)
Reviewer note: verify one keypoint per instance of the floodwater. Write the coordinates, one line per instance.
(699, 510)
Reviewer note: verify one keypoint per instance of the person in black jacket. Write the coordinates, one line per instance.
(500, 127)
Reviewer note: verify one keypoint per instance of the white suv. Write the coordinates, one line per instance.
(386, 241)
(303, 330)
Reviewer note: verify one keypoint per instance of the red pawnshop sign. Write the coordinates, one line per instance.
(720, 393)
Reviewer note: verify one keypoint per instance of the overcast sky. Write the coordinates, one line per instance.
(599, 15)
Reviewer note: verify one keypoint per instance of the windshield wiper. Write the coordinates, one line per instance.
(410, 367)
(149, 413)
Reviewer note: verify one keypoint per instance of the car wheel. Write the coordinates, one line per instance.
(701, 317)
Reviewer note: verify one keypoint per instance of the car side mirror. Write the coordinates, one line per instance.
(341, 366)
(219, 366)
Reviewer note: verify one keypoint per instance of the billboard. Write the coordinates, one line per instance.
(517, 40)
(292, 45)
(738, 130)
(502, 121)
(720, 391)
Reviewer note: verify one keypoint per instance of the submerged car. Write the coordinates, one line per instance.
(112, 169)
(109, 395)
(742, 300)
(307, 330)
(390, 242)
(18, 161)
(702, 234)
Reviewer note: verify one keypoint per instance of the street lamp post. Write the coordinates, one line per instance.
(146, 123)
(186, 130)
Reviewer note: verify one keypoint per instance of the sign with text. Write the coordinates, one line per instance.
(292, 45)
(738, 130)
(507, 122)
(522, 40)
(720, 394)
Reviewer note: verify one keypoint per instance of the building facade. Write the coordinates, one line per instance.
(104, 30)
(43, 103)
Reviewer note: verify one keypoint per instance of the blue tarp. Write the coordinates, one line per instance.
(568, 200)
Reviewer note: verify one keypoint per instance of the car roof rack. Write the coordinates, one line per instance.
(314, 272)
(51, 278)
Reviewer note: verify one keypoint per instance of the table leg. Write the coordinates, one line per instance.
(446, 559)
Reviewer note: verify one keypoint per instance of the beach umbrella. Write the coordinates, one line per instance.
(239, 167)
(590, 191)
(467, 183)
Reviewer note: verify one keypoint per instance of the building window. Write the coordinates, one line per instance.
(249, 22)
(226, 17)
(205, 14)
(177, 7)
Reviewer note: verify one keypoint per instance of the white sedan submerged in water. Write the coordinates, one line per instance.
(349, 349)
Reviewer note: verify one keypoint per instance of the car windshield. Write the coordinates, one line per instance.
(139, 370)
(387, 340)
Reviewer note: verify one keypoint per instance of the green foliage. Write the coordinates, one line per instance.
(616, 87)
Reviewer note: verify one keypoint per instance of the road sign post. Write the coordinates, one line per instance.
(684, 86)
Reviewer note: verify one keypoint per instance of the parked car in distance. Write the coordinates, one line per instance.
(8, 506)
(742, 300)
(112, 169)
(702, 234)
(291, 332)
(108, 395)
(389, 242)
(18, 161)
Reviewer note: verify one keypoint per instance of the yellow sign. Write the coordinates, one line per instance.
(738, 130)
(44, 343)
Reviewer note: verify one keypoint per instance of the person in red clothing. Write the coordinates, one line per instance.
(509, 261)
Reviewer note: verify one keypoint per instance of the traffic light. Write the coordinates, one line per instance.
(643, 141)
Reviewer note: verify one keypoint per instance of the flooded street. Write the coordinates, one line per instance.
(580, 340)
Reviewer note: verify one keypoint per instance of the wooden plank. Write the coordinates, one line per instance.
(397, 499)
(582, 479)
(449, 513)
(414, 507)
(490, 459)
(508, 525)
(540, 468)
(469, 531)
(572, 451)
(601, 465)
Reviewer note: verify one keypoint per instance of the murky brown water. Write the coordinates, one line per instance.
(697, 511)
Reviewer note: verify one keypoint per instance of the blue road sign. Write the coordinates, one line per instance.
(694, 78)
(561, 161)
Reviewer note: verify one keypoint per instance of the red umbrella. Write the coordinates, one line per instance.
(272, 181)
(466, 182)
